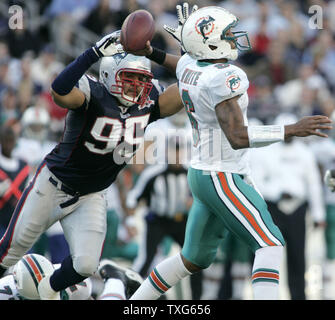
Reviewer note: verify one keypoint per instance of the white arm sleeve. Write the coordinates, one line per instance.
(260, 136)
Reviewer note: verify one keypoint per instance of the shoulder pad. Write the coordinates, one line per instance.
(158, 86)
(227, 83)
(183, 61)
(84, 86)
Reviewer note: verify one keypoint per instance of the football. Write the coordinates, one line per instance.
(137, 29)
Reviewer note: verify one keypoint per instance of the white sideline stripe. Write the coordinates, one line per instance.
(252, 209)
(235, 212)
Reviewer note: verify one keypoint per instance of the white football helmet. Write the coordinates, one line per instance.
(28, 272)
(113, 75)
(204, 34)
(35, 122)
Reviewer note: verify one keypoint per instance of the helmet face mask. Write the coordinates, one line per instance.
(240, 38)
(127, 77)
(132, 85)
(205, 35)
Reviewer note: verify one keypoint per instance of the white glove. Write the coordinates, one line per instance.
(182, 14)
(4, 186)
(329, 179)
(109, 45)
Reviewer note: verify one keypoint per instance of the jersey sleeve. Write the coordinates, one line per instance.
(90, 86)
(84, 86)
(158, 86)
(182, 63)
(226, 84)
(155, 113)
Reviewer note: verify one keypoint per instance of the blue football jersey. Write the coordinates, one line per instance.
(100, 137)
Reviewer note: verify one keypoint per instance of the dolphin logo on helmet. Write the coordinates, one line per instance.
(205, 26)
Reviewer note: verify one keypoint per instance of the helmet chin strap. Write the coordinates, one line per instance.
(127, 103)
(124, 99)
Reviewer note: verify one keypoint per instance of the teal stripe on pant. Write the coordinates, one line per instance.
(330, 232)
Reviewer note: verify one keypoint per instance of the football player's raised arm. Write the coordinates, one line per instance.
(170, 101)
(231, 121)
(171, 62)
(167, 60)
(63, 89)
(72, 100)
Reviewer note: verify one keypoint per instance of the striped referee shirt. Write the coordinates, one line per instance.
(164, 188)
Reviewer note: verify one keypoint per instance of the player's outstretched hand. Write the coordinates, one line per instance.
(329, 179)
(182, 15)
(309, 126)
(109, 45)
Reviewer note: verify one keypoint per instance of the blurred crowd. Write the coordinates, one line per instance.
(291, 67)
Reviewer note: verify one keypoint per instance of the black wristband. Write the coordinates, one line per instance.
(157, 55)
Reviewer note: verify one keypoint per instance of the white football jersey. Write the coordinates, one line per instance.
(32, 151)
(202, 86)
(8, 289)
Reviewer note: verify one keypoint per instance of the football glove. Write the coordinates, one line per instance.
(329, 179)
(182, 15)
(109, 45)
